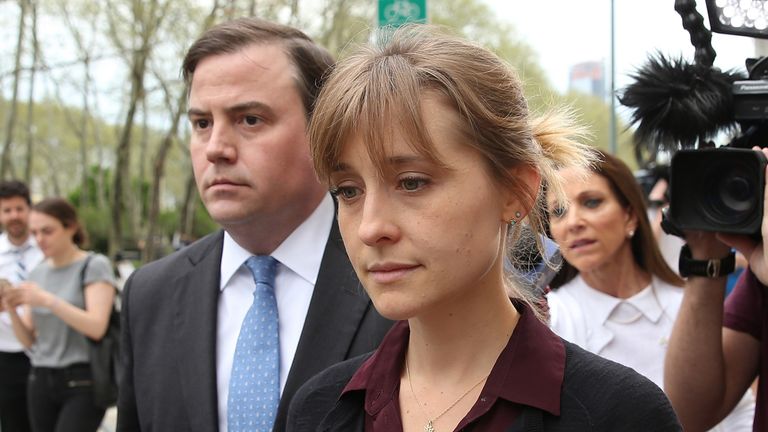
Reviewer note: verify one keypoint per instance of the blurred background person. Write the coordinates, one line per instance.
(18, 254)
(615, 295)
(65, 303)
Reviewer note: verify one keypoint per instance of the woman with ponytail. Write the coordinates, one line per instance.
(69, 296)
(427, 143)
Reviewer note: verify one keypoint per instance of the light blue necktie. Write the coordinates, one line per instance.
(254, 387)
(21, 268)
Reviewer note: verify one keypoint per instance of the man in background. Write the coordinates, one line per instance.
(273, 291)
(18, 255)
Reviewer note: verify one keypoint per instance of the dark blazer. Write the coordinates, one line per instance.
(169, 312)
(597, 395)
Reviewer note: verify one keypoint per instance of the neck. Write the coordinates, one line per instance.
(261, 235)
(621, 278)
(67, 256)
(462, 344)
(18, 241)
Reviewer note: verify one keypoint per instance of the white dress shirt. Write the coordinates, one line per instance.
(299, 258)
(633, 332)
(9, 255)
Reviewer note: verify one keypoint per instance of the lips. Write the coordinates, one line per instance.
(224, 183)
(387, 273)
(580, 243)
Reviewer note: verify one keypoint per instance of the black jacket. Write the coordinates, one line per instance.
(597, 395)
(169, 332)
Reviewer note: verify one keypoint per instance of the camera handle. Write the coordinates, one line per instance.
(701, 37)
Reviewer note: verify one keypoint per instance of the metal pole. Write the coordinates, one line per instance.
(612, 93)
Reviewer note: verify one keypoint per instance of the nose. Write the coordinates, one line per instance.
(573, 220)
(221, 146)
(377, 225)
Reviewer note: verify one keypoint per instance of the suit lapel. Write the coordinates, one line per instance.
(195, 319)
(333, 318)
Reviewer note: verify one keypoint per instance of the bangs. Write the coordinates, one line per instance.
(374, 97)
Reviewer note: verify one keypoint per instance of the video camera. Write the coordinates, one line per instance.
(679, 107)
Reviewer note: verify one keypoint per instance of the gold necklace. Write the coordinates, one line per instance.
(429, 427)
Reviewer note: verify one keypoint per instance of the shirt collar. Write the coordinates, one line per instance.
(302, 251)
(650, 302)
(7, 247)
(529, 371)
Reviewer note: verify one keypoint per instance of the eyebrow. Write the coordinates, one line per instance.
(392, 161)
(234, 109)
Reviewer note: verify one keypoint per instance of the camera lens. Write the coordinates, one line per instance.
(731, 196)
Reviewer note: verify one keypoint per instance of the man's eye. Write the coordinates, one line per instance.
(201, 123)
(251, 120)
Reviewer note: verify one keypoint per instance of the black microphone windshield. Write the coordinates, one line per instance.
(675, 103)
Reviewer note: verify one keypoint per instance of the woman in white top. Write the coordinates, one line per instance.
(615, 295)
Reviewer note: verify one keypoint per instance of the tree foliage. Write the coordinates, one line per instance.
(104, 121)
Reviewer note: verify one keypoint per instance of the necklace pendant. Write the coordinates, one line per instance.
(428, 427)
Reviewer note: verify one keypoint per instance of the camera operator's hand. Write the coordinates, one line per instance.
(706, 245)
(755, 252)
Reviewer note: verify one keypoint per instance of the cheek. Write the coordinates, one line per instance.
(348, 225)
(557, 229)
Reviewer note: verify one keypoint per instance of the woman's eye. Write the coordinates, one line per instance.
(413, 183)
(558, 211)
(345, 192)
(592, 203)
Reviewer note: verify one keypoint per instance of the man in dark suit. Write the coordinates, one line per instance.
(252, 85)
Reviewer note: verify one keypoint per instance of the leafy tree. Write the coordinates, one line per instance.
(127, 166)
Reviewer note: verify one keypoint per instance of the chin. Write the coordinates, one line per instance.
(395, 309)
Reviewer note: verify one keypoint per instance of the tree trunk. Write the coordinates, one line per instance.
(159, 172)
(122, 163)
(86, 114)
(31, 99)
(5, 158)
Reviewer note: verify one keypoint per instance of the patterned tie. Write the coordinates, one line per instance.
(21, 268)
(254, 387)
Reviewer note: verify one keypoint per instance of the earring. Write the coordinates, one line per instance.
(631, 233)
(513, 221)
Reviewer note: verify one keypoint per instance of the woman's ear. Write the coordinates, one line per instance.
(632, 222)
(519, 200)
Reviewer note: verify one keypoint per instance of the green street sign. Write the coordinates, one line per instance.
(398, 12)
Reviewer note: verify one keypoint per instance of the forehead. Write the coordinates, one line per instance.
(14, 201)
(41, 219)
(576, 181)
(432, 129)
(261, 66)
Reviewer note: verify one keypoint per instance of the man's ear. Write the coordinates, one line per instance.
(520, 200)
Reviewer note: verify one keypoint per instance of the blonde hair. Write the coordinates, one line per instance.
(380, 87)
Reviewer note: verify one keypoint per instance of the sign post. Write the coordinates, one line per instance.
(395, 13)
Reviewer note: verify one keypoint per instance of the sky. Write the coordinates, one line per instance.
(580, 31)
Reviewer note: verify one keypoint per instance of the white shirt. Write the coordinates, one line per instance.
(299, 258)
(633, 331)
(31, 256)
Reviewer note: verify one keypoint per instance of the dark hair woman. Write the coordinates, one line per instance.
(66, 303)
